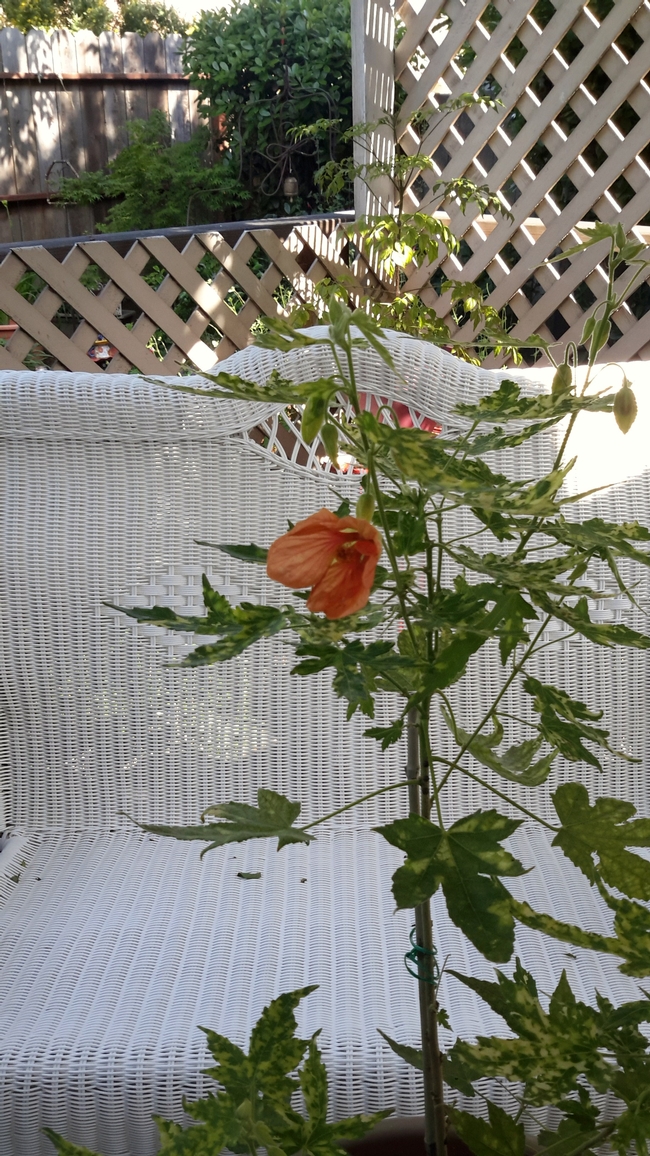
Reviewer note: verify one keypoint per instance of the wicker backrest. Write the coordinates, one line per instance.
(109, 484)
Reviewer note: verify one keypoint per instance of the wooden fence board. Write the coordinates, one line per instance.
(19, 112)
(115, 116)
(66, 101)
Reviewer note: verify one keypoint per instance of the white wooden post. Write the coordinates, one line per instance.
(373, 95)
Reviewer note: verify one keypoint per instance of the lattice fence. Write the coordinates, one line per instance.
(568, 146)
(155, 309)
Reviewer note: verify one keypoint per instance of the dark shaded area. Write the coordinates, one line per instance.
(584, 296)
(597, 82)
(556, 325)
(538, 156)
(563, 192)
(594, 155)
(532, 290)
(541, 85)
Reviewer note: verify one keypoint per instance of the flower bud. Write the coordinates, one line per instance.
(625, 407)
(330, 439)
(313, 416)
(562, 380)
(365, 507)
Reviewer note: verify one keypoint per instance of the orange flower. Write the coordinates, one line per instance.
(337, 557)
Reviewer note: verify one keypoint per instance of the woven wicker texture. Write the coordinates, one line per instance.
(115, 945)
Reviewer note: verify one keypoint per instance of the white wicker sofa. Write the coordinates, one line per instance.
(115, 945)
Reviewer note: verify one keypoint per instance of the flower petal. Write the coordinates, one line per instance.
(301, 557)
(345, 586)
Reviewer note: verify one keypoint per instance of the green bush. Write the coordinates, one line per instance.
(141, 16)
(268, 66)
(156, 184)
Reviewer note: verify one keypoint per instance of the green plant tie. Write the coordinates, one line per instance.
(425, 960)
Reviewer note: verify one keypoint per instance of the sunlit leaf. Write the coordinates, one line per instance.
(553, 1048)
(508, 403)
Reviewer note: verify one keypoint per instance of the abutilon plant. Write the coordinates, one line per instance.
(561, 1052)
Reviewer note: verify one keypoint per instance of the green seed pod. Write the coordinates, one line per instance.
(314, 415)
(562, 380)
(330, 438)
(625, 407)
(365, 507)
(600, 335)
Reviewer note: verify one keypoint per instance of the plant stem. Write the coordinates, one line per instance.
(434, 1098)
(355, 803)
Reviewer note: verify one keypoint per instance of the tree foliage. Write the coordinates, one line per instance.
(155, 183)
(267, 67)
(141, 16)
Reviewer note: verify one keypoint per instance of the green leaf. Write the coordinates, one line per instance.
(569, 1140)
(450, 662)
(252, 1108)
(498, 439)
(272, 818)
(313, 1082)
(632, 927)
(602, 539)
(64, 1147)
(631, 924)
(412, 1056)
(501, 1137)
(595, 838)
(313, 416)
(274, 1049)
(566, 723)
(249, 874)
(464, 861)
(634, 1124)
(277, 389)
(317, 1137)
(387, 735)
(240, 626)
(508, 404)
(250, 624)
(596, 233)
(360, 671)
(507, 570)
(513, 611)
(515, 764)
(249, 553)
(373, 334)
(505, 619)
